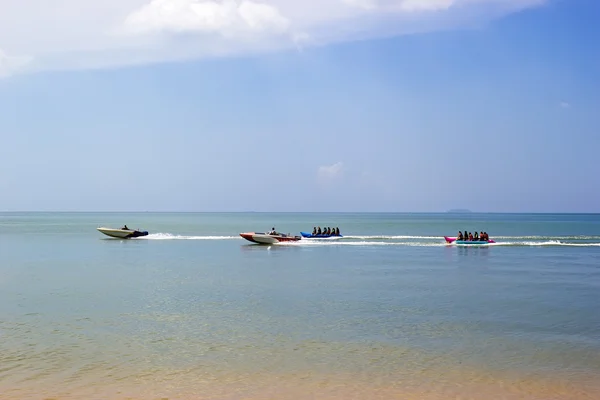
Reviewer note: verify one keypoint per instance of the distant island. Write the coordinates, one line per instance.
(459, 211)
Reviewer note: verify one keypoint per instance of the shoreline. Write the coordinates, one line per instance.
(188, 385)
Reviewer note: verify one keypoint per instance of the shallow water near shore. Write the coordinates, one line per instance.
(388, 311)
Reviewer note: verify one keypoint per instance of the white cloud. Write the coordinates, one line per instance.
(99, 33)
(406, 5)
(329, 173)
(228, 17)
(435, 5)
(364, 4)
(431, 5)
(564, 104)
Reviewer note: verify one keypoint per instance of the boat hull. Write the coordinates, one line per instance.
(122, 233)
(450, 240)
(264, 238)
(311, 236)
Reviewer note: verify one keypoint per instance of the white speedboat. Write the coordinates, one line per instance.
(122, 233)
(266, 238)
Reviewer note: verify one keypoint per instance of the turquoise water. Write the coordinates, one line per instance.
(193, 308)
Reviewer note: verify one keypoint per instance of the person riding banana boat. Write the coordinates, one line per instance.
(469, 237)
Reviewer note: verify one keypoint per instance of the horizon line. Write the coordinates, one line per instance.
(300, 212)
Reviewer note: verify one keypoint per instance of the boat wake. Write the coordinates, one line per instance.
(170, 236)
(546, 243)
(383, 237)
(581, 237)
(405, 240)
(443, 244)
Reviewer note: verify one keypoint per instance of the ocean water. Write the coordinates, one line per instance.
(390, 311)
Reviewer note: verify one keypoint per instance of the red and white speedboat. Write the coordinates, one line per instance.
(266, 238)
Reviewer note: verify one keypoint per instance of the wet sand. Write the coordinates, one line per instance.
(201, 384)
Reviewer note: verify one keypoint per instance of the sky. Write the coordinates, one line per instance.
(314, 105)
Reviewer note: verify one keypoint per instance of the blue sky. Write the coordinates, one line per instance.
(465, 106)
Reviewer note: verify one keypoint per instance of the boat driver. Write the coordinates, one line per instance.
(125, 228)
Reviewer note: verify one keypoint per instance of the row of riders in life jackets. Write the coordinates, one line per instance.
(481, 237)
(326, 231)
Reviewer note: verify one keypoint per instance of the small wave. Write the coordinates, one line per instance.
(169, 236)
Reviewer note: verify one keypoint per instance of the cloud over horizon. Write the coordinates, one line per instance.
(65, 34)
(9, 64)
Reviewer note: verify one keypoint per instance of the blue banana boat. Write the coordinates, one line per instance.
(310, 235)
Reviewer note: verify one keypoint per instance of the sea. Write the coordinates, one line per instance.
(389, 311)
